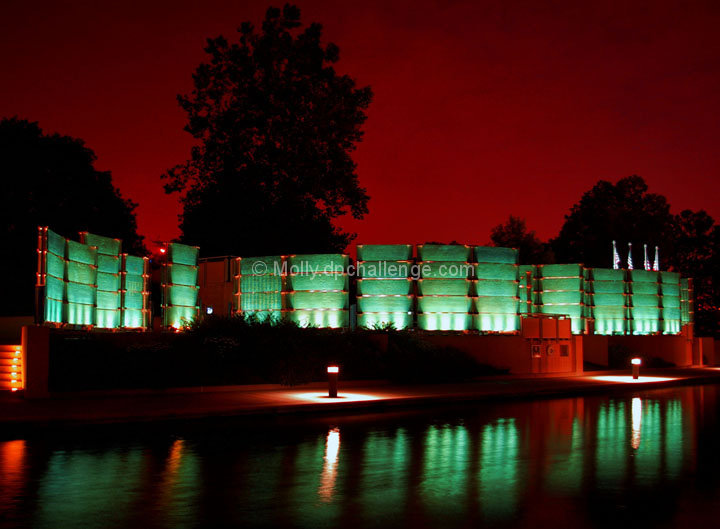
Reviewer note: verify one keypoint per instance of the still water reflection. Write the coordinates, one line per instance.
(644, 460)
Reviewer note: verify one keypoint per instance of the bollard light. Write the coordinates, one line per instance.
(332, 380)
(636, 362)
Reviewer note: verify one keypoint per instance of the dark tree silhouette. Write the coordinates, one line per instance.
(50, 180)
(624, 212)
(514, 234)
(275, 126)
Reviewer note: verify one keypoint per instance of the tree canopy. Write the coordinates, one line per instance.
(275, 126)
(50, 180)
(514, 234)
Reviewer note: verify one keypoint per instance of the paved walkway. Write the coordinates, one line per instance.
(143, 406)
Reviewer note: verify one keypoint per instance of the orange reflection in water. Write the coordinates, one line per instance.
(332, 449)
(342, 397)
(636, 422)
(12, 461)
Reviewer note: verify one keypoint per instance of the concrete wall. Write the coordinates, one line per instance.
(595, 349)
(674, 349)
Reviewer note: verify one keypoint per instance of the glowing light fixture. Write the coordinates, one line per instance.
(332, 381)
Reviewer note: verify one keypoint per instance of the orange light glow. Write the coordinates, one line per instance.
(345, 397)
(333, 369)
(636, 361)
(630, 379)
(636, 422)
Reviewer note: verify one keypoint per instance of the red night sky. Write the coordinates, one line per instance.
(481, 109)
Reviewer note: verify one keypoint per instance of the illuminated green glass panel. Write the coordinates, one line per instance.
(642, 276)
(645, 300)
(445, 270)
(447, 287)
(491, 322)
(314, 263)
(178, 316)
(55, 266)
(319, 318)
(134, 283)
(669, 302)
(56, 243)
(133, 300)
(54, 310)
(644, 288)
(133, 318)
(183, 254)
(81, 273)
(384, 252)
(134, 265)
(444, 252)
(81, 253)
(80, 293)
(560, 270)
(496, 304)
(447, 321)
(108, 264)
(108, 282)
(107, 318)
(609, 311)
(610, 325)
(270, 264)
(607, 274)
(318, 282)
(574, 310)
(261, 301)
(318, 300)
(616, 300)
(559, 283)
(645, 313)
(272, 316)
(384, 286)
(384, 303)
(669, 277)
(644, 326)
(670, 289)
(496, 271)
(179, 274)
(399, 320)
(108, 300)
(671, 326)
(54, 288)
(79, 314)
(267, 283)
(444, 303)
(105, 245)
(493, 254)
(673, 313)
(559, 297)
(496, 287)
(607, 287)
(385, 269)
(185, 296)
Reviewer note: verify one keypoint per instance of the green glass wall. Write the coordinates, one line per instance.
(644, 302)
(560, 289)
(672, 302)
(107, 307)
(180, 285)
(607, 300)
(385, 290)
(135, 291)
(496, 300)
(317, 293)
(51, 274)
(81, 288)
(444, 301)
(260, 282)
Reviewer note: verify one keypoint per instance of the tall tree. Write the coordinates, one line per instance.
(50, 180)
(514, 234)
(275, 126)
(624, 212)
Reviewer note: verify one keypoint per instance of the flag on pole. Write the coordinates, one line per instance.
(646, 263)
(616, 257)
(656, 264)
(630, 263)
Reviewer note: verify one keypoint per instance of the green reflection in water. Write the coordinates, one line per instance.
(445, 469)
(612, 444)
(567, 469)
(94, 489)
(648, 454)
(674, 441)
(385, 477)
(499, 469)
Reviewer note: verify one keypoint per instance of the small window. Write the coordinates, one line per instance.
(564, 350)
